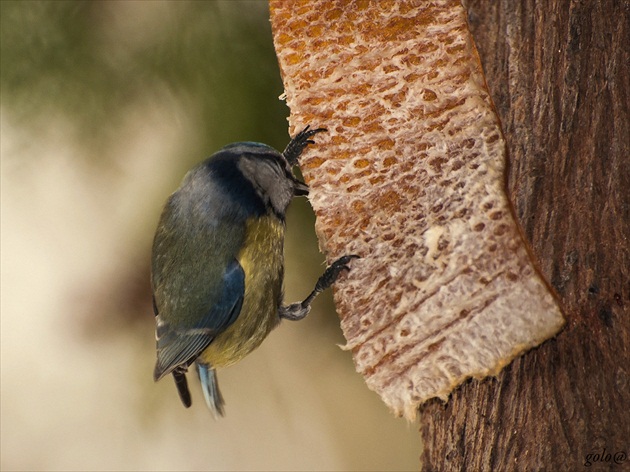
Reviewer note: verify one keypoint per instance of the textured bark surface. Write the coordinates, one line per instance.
(559, 74)
(411, 176)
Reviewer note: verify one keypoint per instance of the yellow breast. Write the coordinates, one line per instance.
(262, 260)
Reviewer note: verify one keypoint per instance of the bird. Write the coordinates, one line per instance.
(217, 263)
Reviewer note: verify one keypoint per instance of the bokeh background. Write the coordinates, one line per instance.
(104, 106)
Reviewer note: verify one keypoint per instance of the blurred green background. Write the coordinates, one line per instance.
(103, 108)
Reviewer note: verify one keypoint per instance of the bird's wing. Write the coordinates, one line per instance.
(180, 346)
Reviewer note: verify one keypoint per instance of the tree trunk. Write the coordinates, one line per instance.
(559, 73)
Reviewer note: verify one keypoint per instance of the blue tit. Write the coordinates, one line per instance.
(218, 264)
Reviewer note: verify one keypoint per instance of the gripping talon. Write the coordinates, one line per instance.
(299, 142)
(297, 311)
(334, 270)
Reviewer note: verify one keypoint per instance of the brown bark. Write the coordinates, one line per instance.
(559, 73)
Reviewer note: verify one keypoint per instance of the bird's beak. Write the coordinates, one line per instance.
(300, 189)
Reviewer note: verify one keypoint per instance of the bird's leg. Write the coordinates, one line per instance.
(299, 142)
(297, 311)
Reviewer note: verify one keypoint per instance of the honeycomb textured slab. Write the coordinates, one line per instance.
(410, 176)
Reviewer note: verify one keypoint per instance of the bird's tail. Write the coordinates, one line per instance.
(210, 388)
(179, 374)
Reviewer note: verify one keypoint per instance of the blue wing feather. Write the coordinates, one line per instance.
(177, 347)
